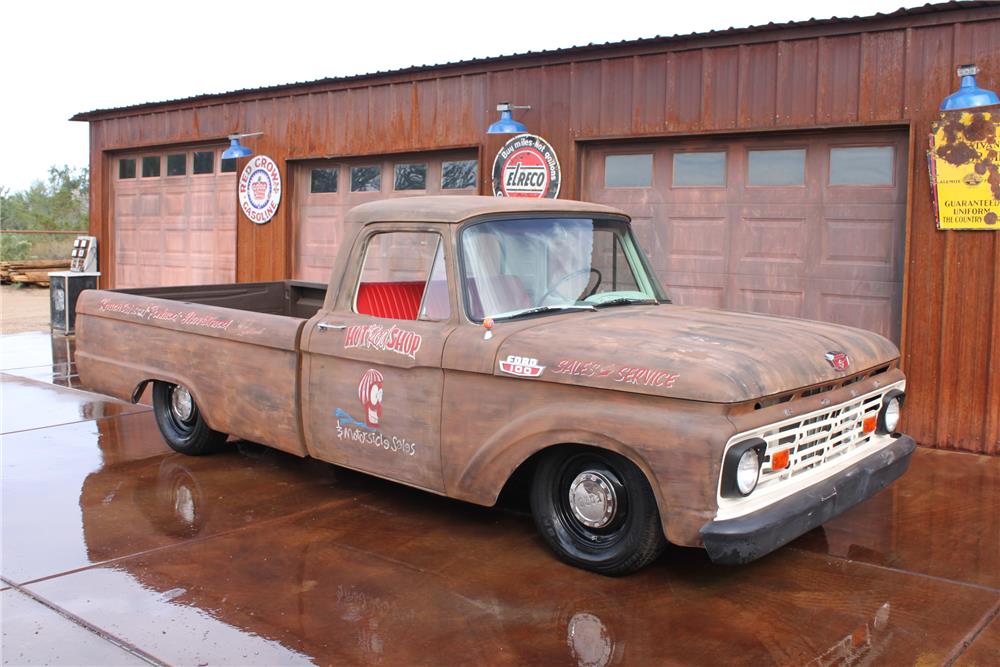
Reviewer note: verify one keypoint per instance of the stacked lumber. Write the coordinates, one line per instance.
(34, 271)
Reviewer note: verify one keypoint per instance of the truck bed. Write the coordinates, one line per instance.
(291, 298)
(235, 347)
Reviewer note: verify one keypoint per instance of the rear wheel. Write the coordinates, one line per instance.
(596, 511)
(181, 422)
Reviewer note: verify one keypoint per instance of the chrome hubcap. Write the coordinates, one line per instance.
(181, 404)
(592, 499)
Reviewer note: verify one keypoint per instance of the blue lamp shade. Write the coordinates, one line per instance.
(236, 150)
(506, 124)
(969, 95)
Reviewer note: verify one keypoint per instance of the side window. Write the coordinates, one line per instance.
(609, 260)
(404, 277)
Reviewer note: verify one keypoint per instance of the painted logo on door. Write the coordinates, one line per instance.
(526, 166)
(260, 189)
(371, 388)
(839, 360)
(370, 392)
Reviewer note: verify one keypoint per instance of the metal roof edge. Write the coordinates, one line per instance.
(264, 91)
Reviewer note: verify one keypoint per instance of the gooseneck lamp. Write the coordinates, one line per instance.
(236, 149)
(507, 124)
(969, 95)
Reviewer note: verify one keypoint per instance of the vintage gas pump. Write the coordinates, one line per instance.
(65, 286)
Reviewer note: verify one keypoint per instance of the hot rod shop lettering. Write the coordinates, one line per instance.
(377, 337)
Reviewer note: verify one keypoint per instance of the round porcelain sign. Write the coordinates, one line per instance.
(260, 189)
(526, 166)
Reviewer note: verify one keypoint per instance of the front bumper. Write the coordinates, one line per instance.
(747, 538)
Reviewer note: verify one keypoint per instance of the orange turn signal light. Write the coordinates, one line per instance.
(779, 460)
(869, 424)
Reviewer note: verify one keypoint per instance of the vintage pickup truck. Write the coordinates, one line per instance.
(466, 342)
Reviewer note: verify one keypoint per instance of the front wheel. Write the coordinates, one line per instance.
(181, 422)
(596, 511)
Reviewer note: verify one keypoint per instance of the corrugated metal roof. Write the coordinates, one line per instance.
(901, 12)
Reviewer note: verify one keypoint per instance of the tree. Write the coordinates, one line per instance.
(58, 203)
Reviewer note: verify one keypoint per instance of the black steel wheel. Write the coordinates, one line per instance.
(596, 511)
(181, 423)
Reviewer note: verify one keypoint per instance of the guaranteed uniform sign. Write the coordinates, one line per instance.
(964, 162)
(260, 189)
(526, 166)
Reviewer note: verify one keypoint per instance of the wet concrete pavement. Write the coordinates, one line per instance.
(118, 551)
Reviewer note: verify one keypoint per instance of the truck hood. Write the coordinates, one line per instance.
(688, 353)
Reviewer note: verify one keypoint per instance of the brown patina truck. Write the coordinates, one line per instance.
(465, 342)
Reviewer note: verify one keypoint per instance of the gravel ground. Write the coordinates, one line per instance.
(23, 309)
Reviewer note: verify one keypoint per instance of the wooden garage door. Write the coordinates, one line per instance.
(326, 189)
(174, 218)
(806, 226)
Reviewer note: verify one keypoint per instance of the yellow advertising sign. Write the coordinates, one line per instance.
(964, 162)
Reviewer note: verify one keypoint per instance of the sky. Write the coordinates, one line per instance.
(60, 58)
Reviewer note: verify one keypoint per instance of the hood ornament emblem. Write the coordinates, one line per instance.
(839, 360)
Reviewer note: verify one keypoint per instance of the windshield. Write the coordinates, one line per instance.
(522, 266)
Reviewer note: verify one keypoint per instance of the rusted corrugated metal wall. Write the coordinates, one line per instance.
(888, 71)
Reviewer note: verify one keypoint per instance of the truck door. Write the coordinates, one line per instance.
(372, 378)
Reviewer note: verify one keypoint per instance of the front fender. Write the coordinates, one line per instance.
(677, 444)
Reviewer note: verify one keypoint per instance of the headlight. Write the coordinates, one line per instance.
(888, 417)
(747, 472)
(741, 467)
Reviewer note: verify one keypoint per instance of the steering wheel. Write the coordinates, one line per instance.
(572, 274)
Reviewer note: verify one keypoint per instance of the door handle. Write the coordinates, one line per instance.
(326, 325)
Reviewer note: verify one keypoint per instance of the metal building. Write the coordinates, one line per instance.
(778, 169)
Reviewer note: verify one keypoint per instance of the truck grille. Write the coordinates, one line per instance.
(819, 444)
(819, 439)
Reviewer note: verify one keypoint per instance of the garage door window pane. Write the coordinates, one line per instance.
(324, 180)
(227, 165)
(699, 169)
(861, 165)
(411, 177)
(366, 179)
(782, 167)
(126, 168)
(150, 166)
(458, 174)
(628, 171)
(177, 164)
(204, 162)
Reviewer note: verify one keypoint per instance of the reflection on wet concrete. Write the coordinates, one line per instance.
(28, 404)
(258, 557)
(985, 649)
(410, 580)
(941, 518)
(37, 349)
